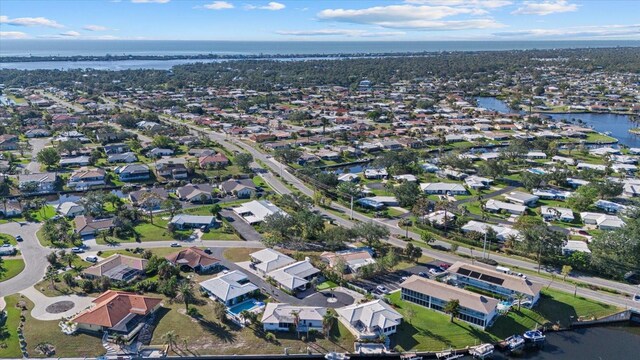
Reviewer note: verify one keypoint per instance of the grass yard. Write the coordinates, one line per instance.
(326, 285)
(9, 344)
(238, 254)
(13, 268)
(36, 331)
(429, 330)
(44, 213)
(7, 239)
(208, 336)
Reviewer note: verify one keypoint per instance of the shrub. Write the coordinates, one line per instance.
(193, 312)
(270, 337)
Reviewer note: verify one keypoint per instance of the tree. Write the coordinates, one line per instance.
(427, 237)
(3, 269)
(287, 156)
(583, 198)
(93, 203)
(69, 146)
(329, 320)
(150, 201)
(68, 257)
(244, 160)
(412, 252)
(170, 339)
(410, 313)
(407, 193)
(185, 292)
(371, 233)
(163, 142)
(519, 297)
(494, 169)
(608, 189)
(530, 180)
(420, 208)
(566, 271)
(616, 252)
(390, 259)
(49, 157)
(50, 275)
(219, 311)
(537, 238)
(452, 307)
(335, 237)
(173, 205)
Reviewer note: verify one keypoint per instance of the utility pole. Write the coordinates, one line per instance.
(351, 207)
(484, 247)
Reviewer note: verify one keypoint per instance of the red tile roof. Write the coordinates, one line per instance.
(111, 307)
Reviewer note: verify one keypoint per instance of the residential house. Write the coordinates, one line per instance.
(185, 221)
(493, 205)
(295, 277)
(116, 148)
(352, 259)
(370, 320)
(172, 171)
(241, 188)
(256, 211)
(502, 232)
(75, 161)
(609, 206)
(8, 142)
(194, 259)
(195, 193)
(85, 178)
(118, 312)
(551, 194)
(87, 225)
(151, 199)
(36, 133)
(117, 267)
(213, 161)
(572, 246)
(602, 221)
(474, 308)
(11, 208)
(133, 172)
(375, 173)
(38, 182)
(284, 317)
(519, 197)
(477, 182)
(442, 188)
(70, 209)
(159, 152)
(126, 157)
(495, 282)
(268, 260)
(554, 213)
(229, 288)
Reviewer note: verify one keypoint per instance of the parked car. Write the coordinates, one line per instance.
(583, 232)
(436, 271)
(403, 279)
(77, 250)
(208, 251)
(423, 274)
(175, 244)
(18, 238)
(91, 259)
(444, 265)
(382, 289)
(636, 297)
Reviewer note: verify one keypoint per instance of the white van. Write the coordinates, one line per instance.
(503, 269)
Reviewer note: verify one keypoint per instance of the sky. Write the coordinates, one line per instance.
(339, 20)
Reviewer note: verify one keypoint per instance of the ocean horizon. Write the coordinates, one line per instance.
(193, 47)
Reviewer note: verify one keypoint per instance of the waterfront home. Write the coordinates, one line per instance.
(502, 232)
(375, 173)
(554, 213)
(185, 221)
(353, 259)
(149, 198)
(368, 321)
(602, 221)
(85, 178)
(582, 166)
(133, 172)
(575, 245)
(195, 193)
(519, 197)
(475, 309)
(442, 188)
(70, 209)
(117, 267)
(230, 288)
(256, 211)
(240, 188)
(267, 260)
(118, 312)
(493, 205)
(536, 155)
(285, 317)
(477, 182)
(11, 208)
(87, 225)
(126, 157)
(194, 259)
(294, 277)
(495, 282)
(37, 182)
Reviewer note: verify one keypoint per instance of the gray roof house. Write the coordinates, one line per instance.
(230, 288)
(184, 221)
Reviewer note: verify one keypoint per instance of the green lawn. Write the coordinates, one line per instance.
(7, 239)
(8, 331)
(13, 267)
(238, 254)
(46, 243)
(326, 285)
(44, 213)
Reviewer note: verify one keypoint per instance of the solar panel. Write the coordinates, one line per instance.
(464, 271)
(491, 279)
(475, 275)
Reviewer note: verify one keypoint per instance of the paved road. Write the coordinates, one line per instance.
(274, 166)
(37, 144)
(33, 254)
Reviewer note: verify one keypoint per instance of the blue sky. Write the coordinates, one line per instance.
(363, 20)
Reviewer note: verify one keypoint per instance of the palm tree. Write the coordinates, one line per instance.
(51, 275)
(170, 339)
(443, 205)
(185, 293)
(519, 297)
(328, 322)
(119, 340)
(452, 307)
(68, 258)
(411, 313)
(296, 320)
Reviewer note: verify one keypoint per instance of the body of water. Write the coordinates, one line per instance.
(170, 47)
(617, 125)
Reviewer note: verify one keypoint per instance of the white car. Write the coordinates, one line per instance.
(77, 250)
(382, 289)
(175, 244)
(91, 259)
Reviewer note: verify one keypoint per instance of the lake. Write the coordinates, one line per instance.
(617, 125)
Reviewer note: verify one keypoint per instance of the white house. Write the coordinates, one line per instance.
(443, 188)
(477, 182)
(575, 245)
(280, 317)
(370, 320)
(256, 211)
(493, 205)
(609, 206)
(502, 232)
(552, 213)
(268, 260)
(551, 194)
(185, 221)
(519, 197)
(70, 209)
(230, 288)
(295, 277)
(602, 221)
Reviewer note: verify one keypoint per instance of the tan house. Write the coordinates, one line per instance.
(117, 267)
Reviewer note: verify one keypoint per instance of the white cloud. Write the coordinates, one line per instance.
(490, 4)
(150, 1)
(95, 28)
(604, 31)
(30, 21)
(219, 5)
(340, 32)
(411, 17)
(545, 8)
(273, 6)
(13, 35)
(70, 34)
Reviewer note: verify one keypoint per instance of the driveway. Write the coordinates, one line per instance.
(245, 230)
(42, 303)
(33, 254)
(332, 299)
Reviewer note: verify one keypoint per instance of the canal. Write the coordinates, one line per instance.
(617, 125)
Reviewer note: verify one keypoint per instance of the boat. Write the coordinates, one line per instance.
(514, 342)
(448, 355)
(534, 336)
(336, 356)
(410, 356)
(482, 351)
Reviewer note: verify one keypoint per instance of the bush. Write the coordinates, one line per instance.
(193, 312)
(487, 261)
(270, 337)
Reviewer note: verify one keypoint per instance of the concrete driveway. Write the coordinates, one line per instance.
(246, 231)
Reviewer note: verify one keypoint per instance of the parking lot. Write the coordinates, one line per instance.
(391, 281)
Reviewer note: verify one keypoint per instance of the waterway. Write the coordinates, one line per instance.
(617, 125)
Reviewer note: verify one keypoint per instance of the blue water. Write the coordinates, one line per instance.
(170, 47)
(246, 305)
(617, 125)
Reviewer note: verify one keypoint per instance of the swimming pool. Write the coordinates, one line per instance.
(537, 171)
(245, 305)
